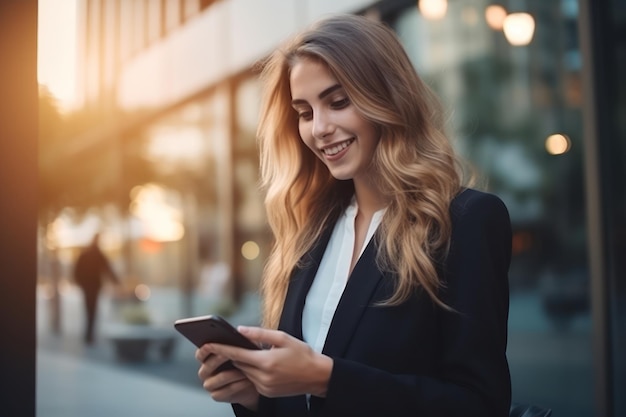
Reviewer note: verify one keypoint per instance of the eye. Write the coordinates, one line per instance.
(340, 104)
(305, 115)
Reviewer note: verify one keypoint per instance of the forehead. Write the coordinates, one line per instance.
(309, 77)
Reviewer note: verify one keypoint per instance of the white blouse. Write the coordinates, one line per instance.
(332, 276)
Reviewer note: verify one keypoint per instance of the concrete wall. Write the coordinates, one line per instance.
(226, 38)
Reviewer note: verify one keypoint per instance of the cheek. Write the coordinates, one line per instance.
(305, 136)
(373, 138)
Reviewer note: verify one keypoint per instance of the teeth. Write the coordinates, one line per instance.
(338, 148)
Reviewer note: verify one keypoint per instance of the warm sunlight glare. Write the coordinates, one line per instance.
(56, 50)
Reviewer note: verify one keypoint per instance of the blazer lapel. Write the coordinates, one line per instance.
(299, 285)
(356, 297)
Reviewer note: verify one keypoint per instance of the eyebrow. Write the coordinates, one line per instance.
(321, 95)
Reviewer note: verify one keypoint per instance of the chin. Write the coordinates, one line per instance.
(341, 176)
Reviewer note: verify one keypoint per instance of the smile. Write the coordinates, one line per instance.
(335, 149)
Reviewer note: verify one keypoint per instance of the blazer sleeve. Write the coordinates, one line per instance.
(241, 411)
(472, 376)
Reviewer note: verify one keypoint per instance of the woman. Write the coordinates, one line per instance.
(386, 291)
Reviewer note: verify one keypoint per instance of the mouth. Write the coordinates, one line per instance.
(336, 148)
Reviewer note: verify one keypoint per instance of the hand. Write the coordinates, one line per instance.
(290, 367)
(226, 386)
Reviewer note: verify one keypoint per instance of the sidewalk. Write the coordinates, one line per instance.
(74, 380)
(72, 387)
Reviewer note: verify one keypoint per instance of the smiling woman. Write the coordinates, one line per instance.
(56, 50)
(377, 299)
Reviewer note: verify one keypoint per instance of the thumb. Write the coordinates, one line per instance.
(265, 337)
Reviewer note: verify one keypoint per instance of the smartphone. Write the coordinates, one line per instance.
(213, 329)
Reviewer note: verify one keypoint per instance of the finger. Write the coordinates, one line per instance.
(251, 371)
(232, 352)
(210, 365)
(203, 353)
(265, 336)
(204, 372)
(227, 392)
(223, 379)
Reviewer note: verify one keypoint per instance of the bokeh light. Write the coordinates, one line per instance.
(558, 144)
(250, 250)
(433, 9)
(142, 292)
(519, 28)
(495, 15)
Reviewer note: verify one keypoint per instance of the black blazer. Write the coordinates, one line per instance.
(416, 359)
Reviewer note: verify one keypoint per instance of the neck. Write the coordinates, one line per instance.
(369, 199)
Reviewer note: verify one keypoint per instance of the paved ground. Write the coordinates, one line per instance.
(71, 387)
(74, 380)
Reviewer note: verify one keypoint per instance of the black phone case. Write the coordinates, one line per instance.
(213, 329)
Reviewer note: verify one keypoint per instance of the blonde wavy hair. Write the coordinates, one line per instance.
(415, 162)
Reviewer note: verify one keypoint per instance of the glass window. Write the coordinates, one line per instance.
(139, 25)
(184, 172)
(126, 30)
(516, 116)
(189, 154)
(92, 53)
(191, 8)
(248, 99)
(110, 35)
(172, 14)
(155, 21)
(252, 229)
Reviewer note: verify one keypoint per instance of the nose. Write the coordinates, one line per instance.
(322, 125)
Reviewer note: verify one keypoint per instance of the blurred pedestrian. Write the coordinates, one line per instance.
(386, 292)
(90, 270)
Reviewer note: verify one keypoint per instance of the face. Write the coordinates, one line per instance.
(329, 123)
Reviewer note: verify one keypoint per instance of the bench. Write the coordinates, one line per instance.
(135, 342)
